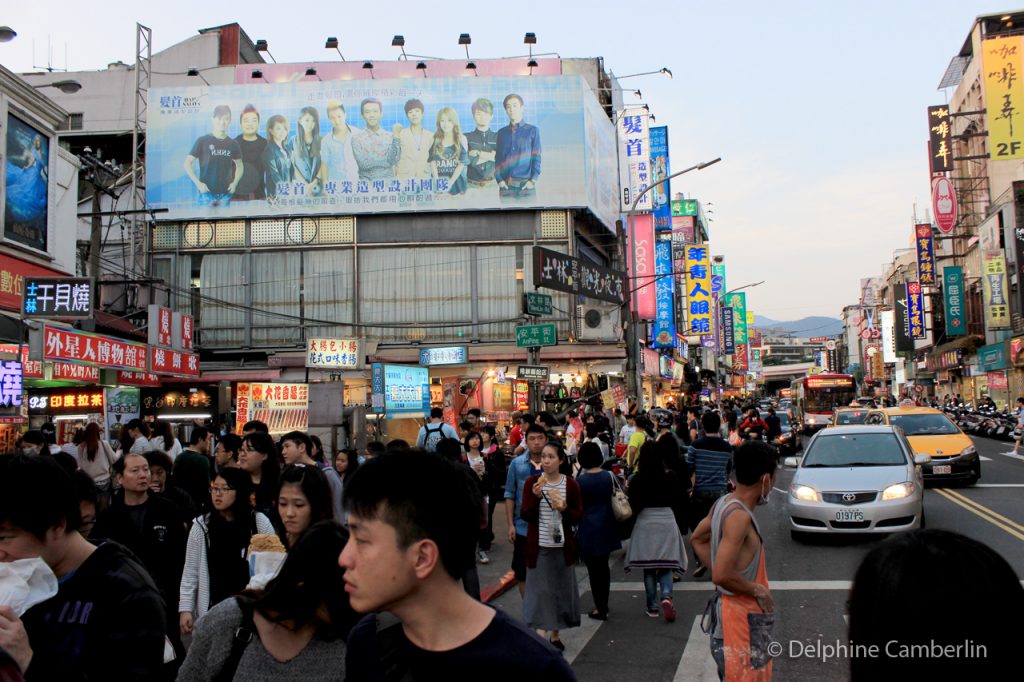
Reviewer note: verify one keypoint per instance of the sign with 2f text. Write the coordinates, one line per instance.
(532, 335)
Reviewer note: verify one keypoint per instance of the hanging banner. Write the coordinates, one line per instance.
(634, 158)
(663, 332)
(901, 326)
(738, 303)
(282, 407)
(939, 139)
(944, 205)
(1018, 255)
(953, 293)
(641, 266)
(728, 333)
(1004, 93)
(915, 311)
(925, 254)
(660, 206)
(718, 270)
(888, 322)
(698, 290)
(997, 307)
(123, 405)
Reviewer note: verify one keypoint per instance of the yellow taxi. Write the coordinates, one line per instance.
(931, 432)
(849, 416)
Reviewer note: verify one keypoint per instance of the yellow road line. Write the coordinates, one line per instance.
(985, 509)
(954, 500)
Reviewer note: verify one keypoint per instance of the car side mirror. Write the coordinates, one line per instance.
(791, 462)
(922, 458)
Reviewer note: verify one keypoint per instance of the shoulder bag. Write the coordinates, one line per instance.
(620, 503)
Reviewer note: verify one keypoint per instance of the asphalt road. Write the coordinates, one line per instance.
(810, 583)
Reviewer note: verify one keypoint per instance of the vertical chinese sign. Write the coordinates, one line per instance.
(663, 332)
(634, 158)
(953, 294)
(698, 290)
(641, 265)
(738, 303)
(660, 170)
(997, 306)
(1004, 96)
(925, 254)
(939, 142)
(915, 311)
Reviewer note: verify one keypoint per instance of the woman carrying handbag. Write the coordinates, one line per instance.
(597, 535)
(96, 457)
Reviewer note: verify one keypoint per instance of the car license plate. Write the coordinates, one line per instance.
(942, 469)
(850, 515)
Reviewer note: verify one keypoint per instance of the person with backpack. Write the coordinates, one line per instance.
(434, 431)
(215, 556)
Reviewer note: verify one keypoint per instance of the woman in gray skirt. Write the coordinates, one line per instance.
(656, 544)
(551, 505)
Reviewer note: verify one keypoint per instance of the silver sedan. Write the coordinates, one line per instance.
(856, 479)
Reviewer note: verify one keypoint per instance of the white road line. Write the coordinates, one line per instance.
(576, 639)
(983, 458)
(998, 485)
(1012, 455)
(781, 585)
(696, 663)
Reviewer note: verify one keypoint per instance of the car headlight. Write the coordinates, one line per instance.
(809, 419)
(786, 436)
(805, 493)
(969, 450)
(898, 491)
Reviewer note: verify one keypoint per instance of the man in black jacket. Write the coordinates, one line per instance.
(107, 620)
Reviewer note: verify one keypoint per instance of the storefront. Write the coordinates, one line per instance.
(1016, 371)
(67, 408)
(990, 378)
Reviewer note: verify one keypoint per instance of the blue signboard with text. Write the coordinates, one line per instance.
(406, 391)
(449, 355)
(663, 332)
(660, 203)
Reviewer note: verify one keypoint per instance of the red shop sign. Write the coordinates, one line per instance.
(167, 361)
(105, 351)
(13, 272)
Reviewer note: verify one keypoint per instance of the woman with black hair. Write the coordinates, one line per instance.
(295, 629)
(303, 498)
(598, 534)
(260, 458)
(215, 557)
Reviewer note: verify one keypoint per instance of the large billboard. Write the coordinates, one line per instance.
(26, 183)
(1001, 63)
(383, 145)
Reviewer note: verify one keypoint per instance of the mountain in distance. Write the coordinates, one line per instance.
(803, 328)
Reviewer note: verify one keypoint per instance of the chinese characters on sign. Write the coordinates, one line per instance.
(184, 327)
(684, 207)
(10, 383)
(925, 254)
(67, 371)
(105, 351)
(282, 407)
(1004, 94)
(62, 401)
(634, 158)
(944, 205)
(561, 272)
(997, 306)
(333, 354)
(159, 324)
(660, 169)
(940, 131)
(953, 292)
(534, 335)
(167, 361)
(663, 331)
(452, 355)
(65, 297)
(406, 391)
(915, 310)
(698, 290)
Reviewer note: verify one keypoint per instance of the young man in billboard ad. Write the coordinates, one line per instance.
(220, 162)
(483, 146)
(251, 186)
(517, 162)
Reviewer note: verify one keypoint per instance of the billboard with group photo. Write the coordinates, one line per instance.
(373, 146)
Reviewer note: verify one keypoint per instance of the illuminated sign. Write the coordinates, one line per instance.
(63, 401)
(10, 383)
(333, 354)
(67, 297)
(829, 382)
(282, 407)
(406, 391)
(450, 355)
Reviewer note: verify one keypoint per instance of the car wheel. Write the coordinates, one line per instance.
(800, 536)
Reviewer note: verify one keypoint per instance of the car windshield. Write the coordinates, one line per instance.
(851, 417)
(783, 418)
(861, 449)
(923, 424)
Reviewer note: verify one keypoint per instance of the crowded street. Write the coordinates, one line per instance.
(680, 342)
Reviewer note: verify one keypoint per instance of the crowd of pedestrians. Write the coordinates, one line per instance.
(156, 555)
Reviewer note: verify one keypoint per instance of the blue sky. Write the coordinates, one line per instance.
(817, 108)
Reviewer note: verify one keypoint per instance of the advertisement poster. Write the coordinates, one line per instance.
(406, 391)
(26, 183)
(925, 254)
(373, 146)
(1004, 91)
(728, 333)
(663, 332)
(698, 290)
(660, 169)
(953, 295)
(123, 405)
(641, 265)
(997, 304)
(915, 311)
(282, 407)
(634, 158)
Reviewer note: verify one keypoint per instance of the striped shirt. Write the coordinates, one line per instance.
(551, 520)
(710, 459)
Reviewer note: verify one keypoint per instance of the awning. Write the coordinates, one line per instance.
(970, 342)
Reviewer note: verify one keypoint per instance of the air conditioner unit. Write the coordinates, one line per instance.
(598, 323)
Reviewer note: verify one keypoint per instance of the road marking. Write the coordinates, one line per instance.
(1012, 455)
(985, 509)
(780, 585)
(998, 485)
(982, 514)
(983, 458)
(576, 639)
(779, 489)
(697, 663)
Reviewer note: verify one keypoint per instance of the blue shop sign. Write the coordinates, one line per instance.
(448, 355)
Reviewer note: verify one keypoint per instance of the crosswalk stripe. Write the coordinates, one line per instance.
(576, 639)
(707, 586)
(697, 663)
(1012, 455)
(983, 458)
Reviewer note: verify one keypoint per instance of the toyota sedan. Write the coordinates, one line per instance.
(856, 479)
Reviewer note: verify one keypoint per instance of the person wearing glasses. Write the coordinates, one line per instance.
(216, 565)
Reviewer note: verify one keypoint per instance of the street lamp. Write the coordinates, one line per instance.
(68, 87)
(633, 340)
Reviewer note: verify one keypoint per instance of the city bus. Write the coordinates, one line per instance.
(815, 396)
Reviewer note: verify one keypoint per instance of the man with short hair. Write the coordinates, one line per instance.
(415, 142)
(483, 145)
(254, 426)
(376, 150)
(710, 460)
(107, 619)
(220, 162)
(730, 542)
(252, 146)
(435, 431)
(192, 468)
(413, 524)
(517, 153)
(626, 431)
(374, 449)
(519, 469)
(475, 419)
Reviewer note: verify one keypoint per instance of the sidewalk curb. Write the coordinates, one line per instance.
(492, 592)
